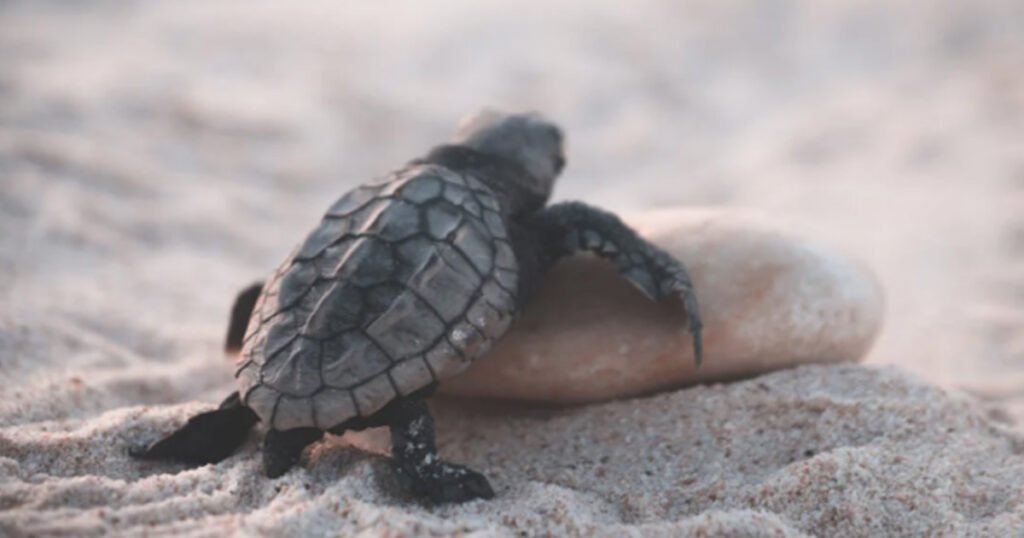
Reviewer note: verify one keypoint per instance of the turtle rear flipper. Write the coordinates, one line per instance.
(418, 466)
(282, 449)
(241, 311)
(206, 438)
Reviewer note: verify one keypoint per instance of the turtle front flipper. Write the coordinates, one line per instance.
(417, 464)
(569, 227)
(206, 438)
(241, 311)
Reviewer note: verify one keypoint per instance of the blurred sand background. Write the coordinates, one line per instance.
(155, 157)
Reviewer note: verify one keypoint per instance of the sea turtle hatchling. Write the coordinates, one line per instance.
(404, 282)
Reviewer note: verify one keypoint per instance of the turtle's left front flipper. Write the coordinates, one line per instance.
(569, 227)
(206, 438)
(241, 311)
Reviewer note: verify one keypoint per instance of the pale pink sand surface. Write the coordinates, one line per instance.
(157, 156)
(827, 451)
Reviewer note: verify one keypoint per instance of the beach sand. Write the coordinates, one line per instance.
(157, 157)
(818, 450)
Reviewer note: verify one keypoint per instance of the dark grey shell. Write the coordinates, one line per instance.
(403, 283)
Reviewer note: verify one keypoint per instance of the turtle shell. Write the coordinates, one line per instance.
(404, 282)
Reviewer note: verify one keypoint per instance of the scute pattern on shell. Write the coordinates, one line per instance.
(403, 282)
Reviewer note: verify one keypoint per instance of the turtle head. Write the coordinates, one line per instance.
(529, 140)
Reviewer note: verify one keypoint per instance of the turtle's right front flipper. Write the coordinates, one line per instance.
(206, 438)
(569, 227)
(241, 311)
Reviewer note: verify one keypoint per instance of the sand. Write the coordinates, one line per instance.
(826, 451)
(156, 157)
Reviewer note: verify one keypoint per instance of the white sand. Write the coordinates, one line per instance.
(156, 157)
(829, 451)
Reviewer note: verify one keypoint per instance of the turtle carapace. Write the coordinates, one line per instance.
(404, 282)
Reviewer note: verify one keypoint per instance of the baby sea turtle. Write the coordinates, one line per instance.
(403, 283)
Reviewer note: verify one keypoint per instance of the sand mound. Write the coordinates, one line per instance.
(828, 451)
